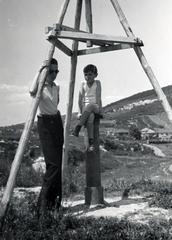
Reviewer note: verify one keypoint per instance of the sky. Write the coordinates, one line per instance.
(23, 47)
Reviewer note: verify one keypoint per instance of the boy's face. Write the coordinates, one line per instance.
(90, 76)
(52, 73)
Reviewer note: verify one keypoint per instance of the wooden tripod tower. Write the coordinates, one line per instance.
(103, 43)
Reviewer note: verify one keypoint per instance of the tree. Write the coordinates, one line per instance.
(135, 132)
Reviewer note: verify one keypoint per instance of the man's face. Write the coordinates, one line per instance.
(90, 76)
(52, 73)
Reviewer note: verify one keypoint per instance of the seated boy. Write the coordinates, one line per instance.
(90, 103)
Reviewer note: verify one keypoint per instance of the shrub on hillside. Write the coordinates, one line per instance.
(75, 156)
(28, 177)
(124, 147)
(135, 132)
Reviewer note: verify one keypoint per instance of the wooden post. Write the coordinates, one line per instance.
(65, 171)
(28, 125)
(93, 190)
(146, 67)
(88, 17)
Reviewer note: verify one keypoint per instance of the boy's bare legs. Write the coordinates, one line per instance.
(90, 130)
(90, 108)
(82, 121)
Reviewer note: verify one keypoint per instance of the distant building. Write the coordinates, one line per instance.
(156, 136)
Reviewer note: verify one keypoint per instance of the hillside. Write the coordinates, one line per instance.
(142, 109)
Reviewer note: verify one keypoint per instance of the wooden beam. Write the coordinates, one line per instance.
(60, 46)
(49, 31)
(80, 36)
(88, 18)
(146, 67)
(63, 11)
(104, 49)
(58, 27)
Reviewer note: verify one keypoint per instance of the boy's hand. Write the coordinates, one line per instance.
(101, 115)
(79, 115)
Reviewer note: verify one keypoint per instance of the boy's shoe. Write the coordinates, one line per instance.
(76, 131)
(98, 115)
(91, 148)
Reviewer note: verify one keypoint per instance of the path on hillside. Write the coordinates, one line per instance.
(134, 209)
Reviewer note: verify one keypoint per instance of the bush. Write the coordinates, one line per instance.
(135, 132)
(119, 147)
(28, 177)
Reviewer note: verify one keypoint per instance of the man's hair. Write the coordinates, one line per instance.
(54, 61)
(90, 68)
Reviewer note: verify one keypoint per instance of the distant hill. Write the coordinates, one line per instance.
(142, 109)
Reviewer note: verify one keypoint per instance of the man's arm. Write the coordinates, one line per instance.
(34, 87)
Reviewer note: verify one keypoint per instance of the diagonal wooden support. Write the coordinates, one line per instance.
(104, 49)
(65, 172)
(22, 143)
(60, 46)
(29, 122)
(88, 18)
(146, 67)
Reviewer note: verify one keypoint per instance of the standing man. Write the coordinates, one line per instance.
(50, 129)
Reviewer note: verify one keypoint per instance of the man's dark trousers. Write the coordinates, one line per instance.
(50, 129)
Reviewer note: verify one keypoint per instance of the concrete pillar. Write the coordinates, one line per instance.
(93, 190)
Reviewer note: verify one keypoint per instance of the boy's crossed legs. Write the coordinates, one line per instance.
(87, 119)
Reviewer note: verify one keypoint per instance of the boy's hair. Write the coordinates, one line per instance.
(90, 68)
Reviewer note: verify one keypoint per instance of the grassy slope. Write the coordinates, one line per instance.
(118, 173)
